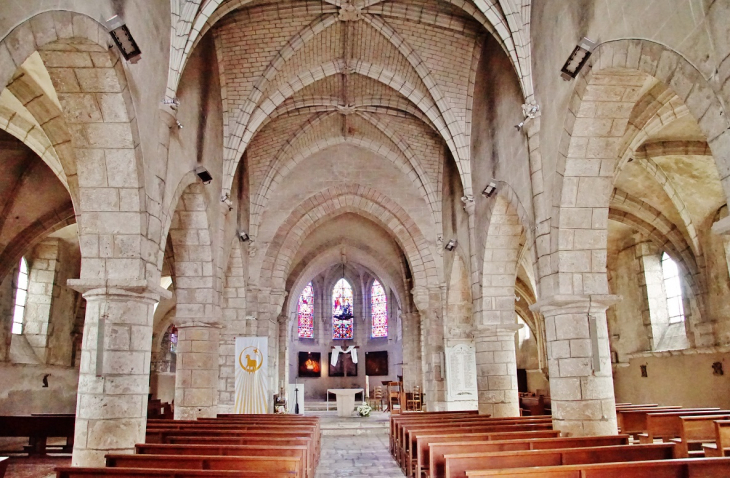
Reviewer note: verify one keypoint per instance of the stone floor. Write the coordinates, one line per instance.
(25, 467)
(361, 456)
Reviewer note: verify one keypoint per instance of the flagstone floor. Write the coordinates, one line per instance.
(361, 456)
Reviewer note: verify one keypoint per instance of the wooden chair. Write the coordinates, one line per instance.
(394, 394)
(414, 403)
(376, 402)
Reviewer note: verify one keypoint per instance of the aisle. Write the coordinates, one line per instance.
(362, 456)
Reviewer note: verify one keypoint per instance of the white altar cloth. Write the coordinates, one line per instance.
(345, 400)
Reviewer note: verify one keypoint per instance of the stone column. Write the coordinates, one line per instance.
(497, 370)
(111, 410)
(579, 360)
(412, 374)
(196, 377)
(284, 338)
(428, 302)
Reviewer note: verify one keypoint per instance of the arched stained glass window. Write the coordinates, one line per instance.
(342, 317)
(305, 313)
(379, 310)
(21, 296)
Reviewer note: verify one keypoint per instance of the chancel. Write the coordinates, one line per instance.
(494, 232)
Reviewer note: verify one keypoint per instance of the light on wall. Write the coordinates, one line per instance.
(490, 189)
(203, 174)
(243, 236)
(123, 39)
(577, 59)
(451, 245)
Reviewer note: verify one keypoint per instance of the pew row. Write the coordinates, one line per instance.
(685, 468)
(457, 465)
(74, 472)
(272, 463)
(38, 428)
(434, 452)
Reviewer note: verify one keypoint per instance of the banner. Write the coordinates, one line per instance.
(252, 382)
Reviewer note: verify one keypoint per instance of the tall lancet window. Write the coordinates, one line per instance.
(305, 313)
(673, 288)
(21, 296)
(342, 317)
(379, 310)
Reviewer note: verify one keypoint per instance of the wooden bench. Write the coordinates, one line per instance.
(666, 425)
(3, 465)
(721, 447)
(694, 431)
(69, 472)
(687, 468)
(271, 463)
(435, 451)
(38, 428)
(411, 434)
(633, 422)
(457, 465)
(409, 442)
(407, 417)
(296, 451)
(402, 443)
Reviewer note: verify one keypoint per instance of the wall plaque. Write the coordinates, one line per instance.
(461, 372)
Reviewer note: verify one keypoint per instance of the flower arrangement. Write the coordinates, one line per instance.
(364, 410)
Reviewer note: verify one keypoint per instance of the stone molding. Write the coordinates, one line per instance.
(722, 227)
(494, 330)
(123, 287)
(574, 304)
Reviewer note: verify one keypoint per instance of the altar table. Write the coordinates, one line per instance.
(345, 400)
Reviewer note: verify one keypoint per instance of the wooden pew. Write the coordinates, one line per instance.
(482, 420)
(68, 472)
(407, 417)
(666, 425)
(687, 468)
(633, 422)
(457, 465)
(694, 431)
(721, 447)
(3, 465)
(408, 443)
(296, 451)
(435, 451)
(269, 464)
(38, 428)
(496, 425)
(161, 436)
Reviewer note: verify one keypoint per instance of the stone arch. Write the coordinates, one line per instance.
(335, 201)
(290, 155)
(596, 121)
(87, 136)
(390, 78)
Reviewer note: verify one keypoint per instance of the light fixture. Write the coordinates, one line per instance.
(490, 189)
(179, 124)
(451, 245)
(123, 39)
(242, 236)
(577, 59)
(203, 174)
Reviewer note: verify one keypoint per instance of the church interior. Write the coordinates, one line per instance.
(473, 213)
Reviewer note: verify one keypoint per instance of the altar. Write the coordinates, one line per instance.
(345, 400)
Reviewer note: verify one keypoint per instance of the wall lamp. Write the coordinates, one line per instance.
(577, 59)
(242, 236)
(203, 174)
(490, 189)
(451, 245)
(123, 39)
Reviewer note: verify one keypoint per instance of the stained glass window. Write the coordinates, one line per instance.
(305, 313)
(673, 288)
(342, 317)
(21, 296)
(379, 310)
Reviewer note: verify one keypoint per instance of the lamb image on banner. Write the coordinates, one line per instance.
(252, 391)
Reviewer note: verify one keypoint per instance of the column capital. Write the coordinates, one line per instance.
(574, 304)
(187, 323)
(143, 288)
(168, 114)
(722, 226)
(420, 298)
